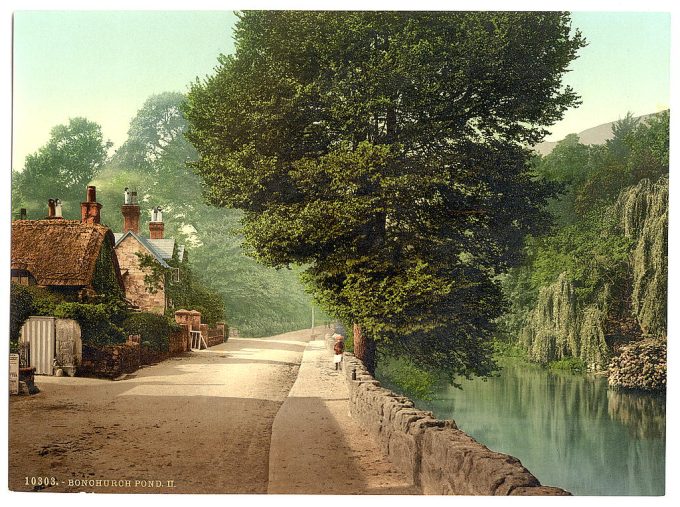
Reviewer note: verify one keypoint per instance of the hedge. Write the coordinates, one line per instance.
(153, 329)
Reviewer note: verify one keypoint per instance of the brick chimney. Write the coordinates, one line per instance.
(90, 209)
(51, 208)
(130, 210)
(156, 226)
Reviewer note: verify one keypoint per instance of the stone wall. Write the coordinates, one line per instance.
(68, 353)
(191, 320)
(110, 360)
(179, 341)
(214, 335)
(133, 277)
(433, 453)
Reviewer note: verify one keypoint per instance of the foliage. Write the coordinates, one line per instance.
(259, 301)
(26, 301)
(20, 308)
(349, 343)
(104, 280)
(587, 251)
(155, 275)
(191, 293)
(570, 364)
(386, 156)
(62, 168)
(153, 329)
(408, 378)
(599, 278)
(632, 155)
(504, 349)
(640, 366)
(154, 132)
(100, 323)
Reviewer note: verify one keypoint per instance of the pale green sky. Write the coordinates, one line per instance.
(103, 65)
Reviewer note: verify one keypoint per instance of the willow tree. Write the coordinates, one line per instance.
(387, 153)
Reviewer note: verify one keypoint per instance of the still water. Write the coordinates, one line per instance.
(568, 430)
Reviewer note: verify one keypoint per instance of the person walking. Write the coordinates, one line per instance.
(338, 348)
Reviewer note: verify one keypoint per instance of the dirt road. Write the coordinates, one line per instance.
(199, 423)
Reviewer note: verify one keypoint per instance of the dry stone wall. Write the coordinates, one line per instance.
(433, 453)
(110, 361)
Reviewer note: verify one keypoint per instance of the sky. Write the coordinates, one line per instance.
(103, 65)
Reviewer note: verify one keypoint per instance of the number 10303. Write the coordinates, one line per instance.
(41, 481)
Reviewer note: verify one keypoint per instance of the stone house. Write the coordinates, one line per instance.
(145, 263)
(73, 257)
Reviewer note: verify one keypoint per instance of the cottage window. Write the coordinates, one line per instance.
(22, 277)
(175, 274)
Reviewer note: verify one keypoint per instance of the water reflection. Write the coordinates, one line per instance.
(568, 430)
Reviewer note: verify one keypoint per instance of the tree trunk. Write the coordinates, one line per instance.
(364, 349)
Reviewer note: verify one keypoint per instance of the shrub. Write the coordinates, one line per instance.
(408, 378)
(100, 323)
(20, 308)
(640, 366)
(24, 302)
(570, 364)
(507, 349)
(153, 329)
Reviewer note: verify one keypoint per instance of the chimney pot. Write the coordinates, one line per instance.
(51, 208)
(90, 209)
(156, 226)
(22, 214)
(130, 211)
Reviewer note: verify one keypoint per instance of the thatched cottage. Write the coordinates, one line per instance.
(131, 248)
(74, 257)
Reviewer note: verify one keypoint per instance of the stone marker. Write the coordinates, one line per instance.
(14, 374)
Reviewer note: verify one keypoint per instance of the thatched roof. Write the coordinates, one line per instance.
(59, 252)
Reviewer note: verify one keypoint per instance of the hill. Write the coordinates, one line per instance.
(594, 135)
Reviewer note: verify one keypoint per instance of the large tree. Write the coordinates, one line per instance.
(156, 132)
(62, 168)
(387, 153)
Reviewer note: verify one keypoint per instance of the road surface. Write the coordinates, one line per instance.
(202, 422)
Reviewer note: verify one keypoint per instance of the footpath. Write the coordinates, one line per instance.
(316, 447)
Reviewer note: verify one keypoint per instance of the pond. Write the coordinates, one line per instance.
(570, 431)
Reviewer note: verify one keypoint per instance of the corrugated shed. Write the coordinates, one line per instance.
(59, 252)
(39, 332)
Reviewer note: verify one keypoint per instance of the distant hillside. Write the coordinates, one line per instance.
(594, 135)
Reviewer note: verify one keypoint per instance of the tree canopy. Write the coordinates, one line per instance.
(259, 301)
(61, 168)
(387, 153)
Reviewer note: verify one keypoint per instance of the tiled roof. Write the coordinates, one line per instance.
(153, 250)
(165, 246)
